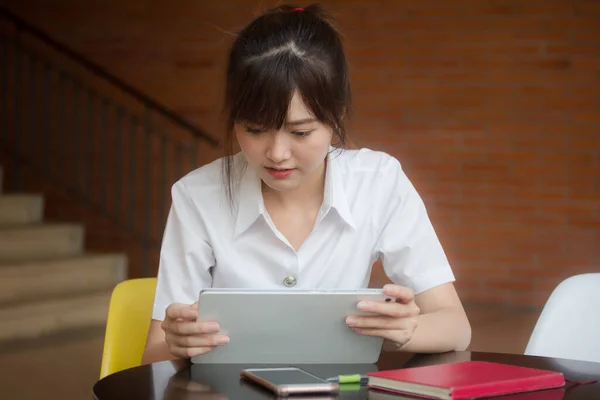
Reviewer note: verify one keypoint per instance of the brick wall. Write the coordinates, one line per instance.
(492, 107)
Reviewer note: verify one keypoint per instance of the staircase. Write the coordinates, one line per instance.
(49, 286)
(69, 128)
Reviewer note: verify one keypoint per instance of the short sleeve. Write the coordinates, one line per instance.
(408, 246)
(185, 257)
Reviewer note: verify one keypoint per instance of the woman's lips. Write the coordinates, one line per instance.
(280, 173)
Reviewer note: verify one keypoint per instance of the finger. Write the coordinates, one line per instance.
(181, 311)
(382, 323)
(189, 352)
(397, 336)
(183, 328)
(205, 391)
(185, 384)
(178, 388)
(194, 386)
(197, 341)
(396, 310)
(400, 293)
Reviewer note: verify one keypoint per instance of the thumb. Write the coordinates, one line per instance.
(400, 293)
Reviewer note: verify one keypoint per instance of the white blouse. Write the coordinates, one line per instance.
(370, 210)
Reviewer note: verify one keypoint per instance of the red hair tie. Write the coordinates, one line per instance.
(298, 9)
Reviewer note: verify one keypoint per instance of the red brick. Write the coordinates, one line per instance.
(554, 63)
(587, 8)
(469, 284)
(529, 299)
(586, 64)
(580, 254)
(548, 284)
(546, 9)
(510, 285)
(449, 205)
(543, 192)
(581, 139)
(571, 49)
(571, 208)
(585, 158)
(538, 140)
(485, 168)
(479, 250)
(585, 116)
(591, 222)
(515, 232)
(483, 191)
(433, 191)
(504, 71)
(515, 49)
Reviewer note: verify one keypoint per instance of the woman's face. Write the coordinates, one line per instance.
(288, 158)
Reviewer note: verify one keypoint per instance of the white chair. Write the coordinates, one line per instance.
(569, 325)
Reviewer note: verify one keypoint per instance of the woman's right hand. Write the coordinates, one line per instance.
(185, 336)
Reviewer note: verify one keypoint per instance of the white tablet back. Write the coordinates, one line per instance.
(288, 327)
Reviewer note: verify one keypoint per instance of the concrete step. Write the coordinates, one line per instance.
(28, 280)
(21, 209)
(45, 317)
(19, 242)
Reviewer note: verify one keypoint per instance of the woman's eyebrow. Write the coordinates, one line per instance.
(300, 121)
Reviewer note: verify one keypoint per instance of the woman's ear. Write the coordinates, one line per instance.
(336, 140)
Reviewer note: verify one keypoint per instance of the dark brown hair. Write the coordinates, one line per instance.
(284, 50)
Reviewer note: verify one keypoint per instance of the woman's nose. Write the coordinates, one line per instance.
(279, 148)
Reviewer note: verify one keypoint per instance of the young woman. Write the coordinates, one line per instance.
(292, 209)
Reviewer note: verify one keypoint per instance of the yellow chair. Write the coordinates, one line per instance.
(129, 315)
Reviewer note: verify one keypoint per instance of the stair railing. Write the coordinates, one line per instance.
(116, 150)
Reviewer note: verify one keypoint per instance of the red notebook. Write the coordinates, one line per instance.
(465, 380)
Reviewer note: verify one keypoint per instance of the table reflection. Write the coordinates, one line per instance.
(223, 381)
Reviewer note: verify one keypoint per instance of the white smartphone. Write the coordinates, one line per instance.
(289, 381)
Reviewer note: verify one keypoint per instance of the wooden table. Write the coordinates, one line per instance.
(183, 381)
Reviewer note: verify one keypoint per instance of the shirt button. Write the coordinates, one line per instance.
(290, 281)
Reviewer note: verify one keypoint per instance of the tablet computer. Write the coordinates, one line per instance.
(288, 326)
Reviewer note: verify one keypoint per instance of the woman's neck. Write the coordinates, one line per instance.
(309, 193)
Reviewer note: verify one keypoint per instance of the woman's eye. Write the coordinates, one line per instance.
(301, 133)
(254, 131)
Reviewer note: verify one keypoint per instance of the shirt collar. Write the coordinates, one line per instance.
(335, 195)
(249, 200)
(250, 204)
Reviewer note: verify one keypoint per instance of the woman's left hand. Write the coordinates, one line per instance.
(395, 321)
